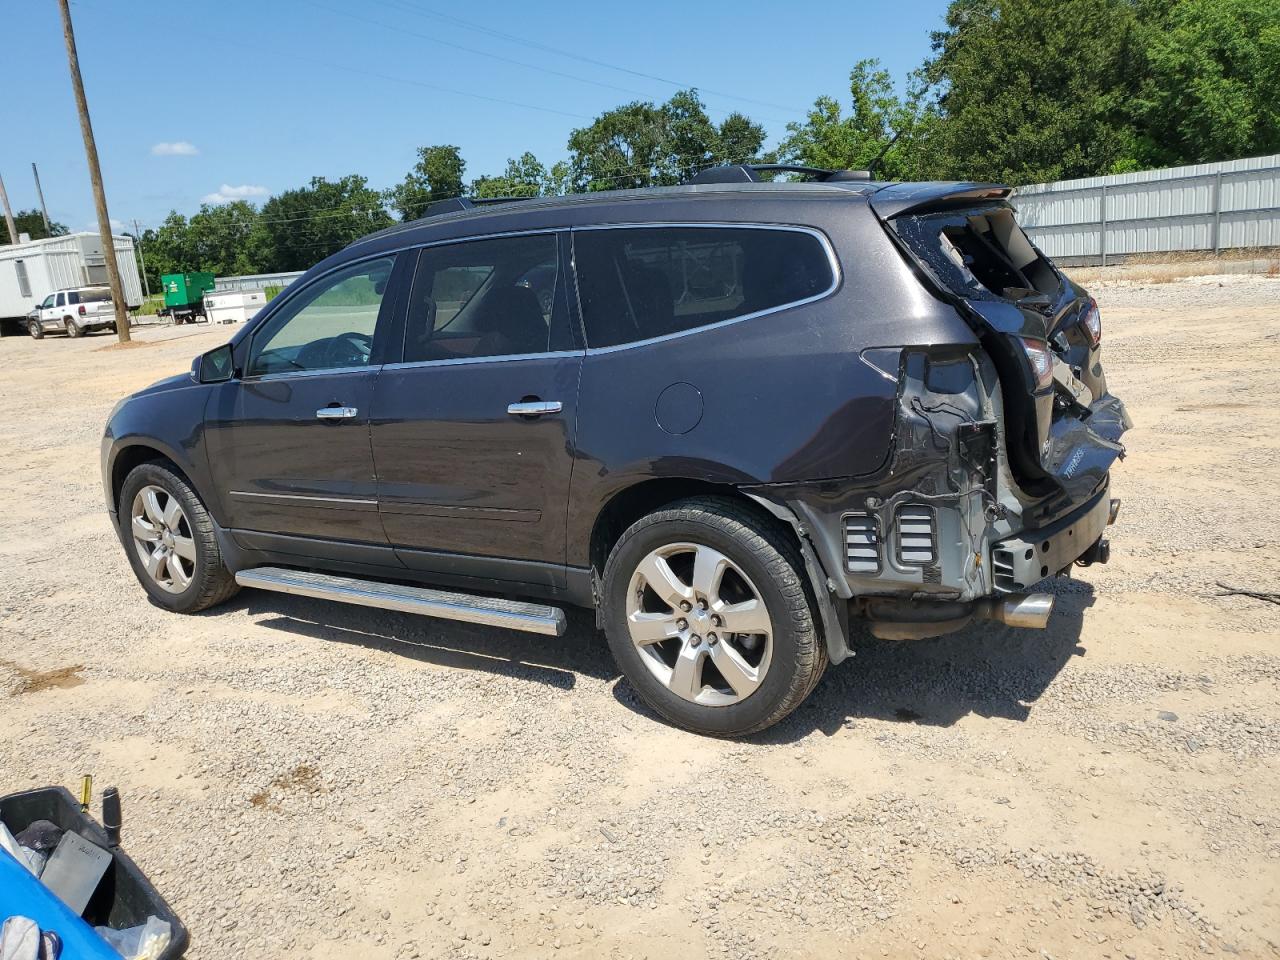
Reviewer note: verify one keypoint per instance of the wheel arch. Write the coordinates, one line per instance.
(133, 455)
(628, 505)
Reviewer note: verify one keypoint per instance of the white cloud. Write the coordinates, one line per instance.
(226, 193)
(179, 148)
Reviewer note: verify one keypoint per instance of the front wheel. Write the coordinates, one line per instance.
(170, 539)
(707, 616)
(36, 329)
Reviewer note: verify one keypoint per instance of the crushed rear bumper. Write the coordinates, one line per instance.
(1019, 561)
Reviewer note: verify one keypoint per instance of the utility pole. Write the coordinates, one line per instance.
(8, 214)
(142, 260)
(95, 176)
(44, 211)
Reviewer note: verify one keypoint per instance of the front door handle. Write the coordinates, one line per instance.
(534, 408)
(336, 413)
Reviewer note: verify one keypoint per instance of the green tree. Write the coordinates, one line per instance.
(222, 238)
(31, 222)
(298, 228)
(1211, 89)
(642, 145)
(523, 177)
(168, 249)
(436, 176)
(559, 180)
(1032, 91)
(880, 126)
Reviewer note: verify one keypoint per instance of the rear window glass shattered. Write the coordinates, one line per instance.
(981, 253)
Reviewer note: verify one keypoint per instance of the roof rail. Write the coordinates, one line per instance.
(457, 204)
(750, 173)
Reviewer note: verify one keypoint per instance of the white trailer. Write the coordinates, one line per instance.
(30, 271)
(233, 306)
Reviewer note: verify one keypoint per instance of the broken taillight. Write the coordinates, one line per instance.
(1091, 320)
(1041, 361)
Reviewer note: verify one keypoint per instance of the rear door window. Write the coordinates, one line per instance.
(487, 298)
(643, 282)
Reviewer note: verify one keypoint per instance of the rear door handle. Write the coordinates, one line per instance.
(534, 408)
(336, 413)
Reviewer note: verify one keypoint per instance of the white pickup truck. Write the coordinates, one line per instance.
(74, 312)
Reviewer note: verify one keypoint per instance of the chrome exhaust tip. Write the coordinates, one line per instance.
(1029, 610)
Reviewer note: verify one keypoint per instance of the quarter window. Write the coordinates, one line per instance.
(328, 326)
(644, 282)
(486, 298)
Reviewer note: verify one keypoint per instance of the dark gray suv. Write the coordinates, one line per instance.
(728, 416)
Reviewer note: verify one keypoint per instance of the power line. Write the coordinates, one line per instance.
(546, 48)
(470, 50)
(403, 7)
(239, 44)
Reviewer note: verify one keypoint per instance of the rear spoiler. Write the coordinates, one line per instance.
(898, 199)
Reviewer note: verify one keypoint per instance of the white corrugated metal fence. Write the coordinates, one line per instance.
(1208, 206)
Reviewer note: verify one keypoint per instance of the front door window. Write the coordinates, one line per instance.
(329, 326)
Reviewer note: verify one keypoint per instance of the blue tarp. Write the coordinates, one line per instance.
(23, 895)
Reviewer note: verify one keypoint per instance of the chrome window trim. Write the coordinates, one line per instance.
(837, 277)
(459, 361)
(294, 374)
(833, 261)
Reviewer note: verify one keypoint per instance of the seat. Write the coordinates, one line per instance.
(652, 305)
(510, 321)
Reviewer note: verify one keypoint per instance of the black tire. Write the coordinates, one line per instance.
(211, 582)
(754, 543)
(73, 328)
(113, 328)
(36, 329)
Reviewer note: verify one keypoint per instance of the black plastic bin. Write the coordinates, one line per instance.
(124, 898)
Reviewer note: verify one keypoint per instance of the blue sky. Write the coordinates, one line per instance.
(209, 98)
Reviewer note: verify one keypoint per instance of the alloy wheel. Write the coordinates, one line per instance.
(699, 624)
(162, 536)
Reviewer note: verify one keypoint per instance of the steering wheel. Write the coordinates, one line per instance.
(344, 350)
(350, 348)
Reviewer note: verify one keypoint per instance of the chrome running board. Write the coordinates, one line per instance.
(468, 608)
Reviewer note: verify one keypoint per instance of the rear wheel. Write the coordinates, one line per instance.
(170, 540)
(36, 329)
(707, 615)
(73, 328)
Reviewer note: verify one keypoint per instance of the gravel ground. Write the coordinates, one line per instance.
(304, 779)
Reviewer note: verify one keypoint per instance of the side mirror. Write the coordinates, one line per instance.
(216, 366)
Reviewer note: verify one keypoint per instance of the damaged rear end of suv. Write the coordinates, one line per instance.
(999, 472)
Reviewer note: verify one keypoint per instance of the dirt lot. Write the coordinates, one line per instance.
(308, 780)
